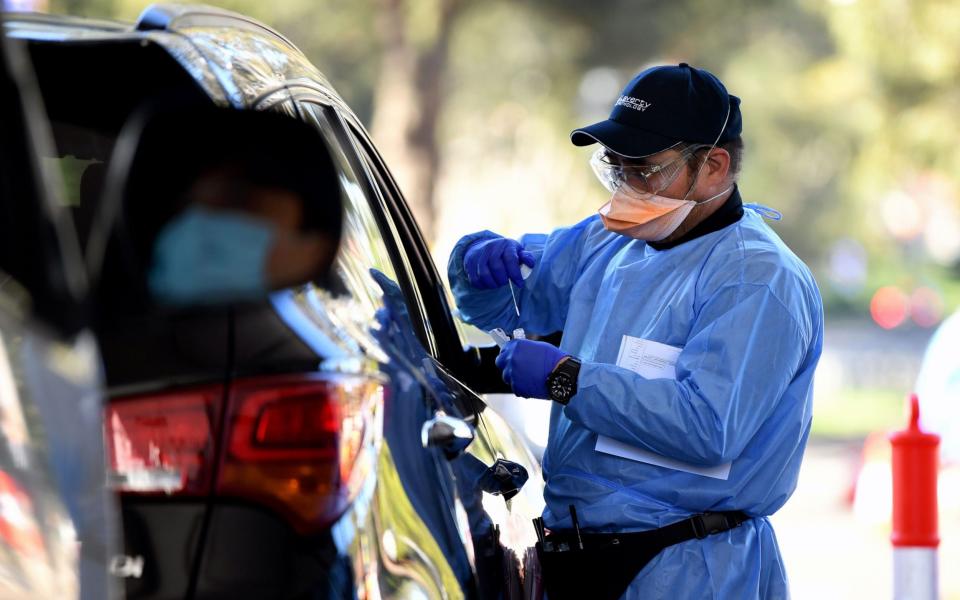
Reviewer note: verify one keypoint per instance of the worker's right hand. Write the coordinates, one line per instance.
(489, 263)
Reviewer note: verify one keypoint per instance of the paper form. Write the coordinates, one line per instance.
(652, 360)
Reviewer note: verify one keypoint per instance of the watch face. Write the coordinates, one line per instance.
(561, 386)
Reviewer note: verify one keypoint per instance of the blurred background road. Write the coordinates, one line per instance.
(831, 551)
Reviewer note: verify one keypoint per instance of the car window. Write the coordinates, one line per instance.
(434, 298)
(363, 244)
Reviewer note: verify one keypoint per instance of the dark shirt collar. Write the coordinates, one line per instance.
(728, 214)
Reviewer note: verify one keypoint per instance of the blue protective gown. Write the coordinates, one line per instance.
(749, 319)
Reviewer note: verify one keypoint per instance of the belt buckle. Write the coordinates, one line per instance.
(706, 523)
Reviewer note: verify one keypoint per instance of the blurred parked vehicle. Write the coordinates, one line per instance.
(325, 441)
(938, 390)
(56, 517)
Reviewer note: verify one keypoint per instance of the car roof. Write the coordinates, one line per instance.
(236, 60)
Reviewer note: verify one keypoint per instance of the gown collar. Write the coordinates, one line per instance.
(728, 214)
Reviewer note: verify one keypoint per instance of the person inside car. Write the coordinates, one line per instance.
(220, 206)
(238, 236)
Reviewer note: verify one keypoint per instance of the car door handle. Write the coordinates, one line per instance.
(450, 434)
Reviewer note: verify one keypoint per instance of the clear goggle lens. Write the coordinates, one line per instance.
(613, 174)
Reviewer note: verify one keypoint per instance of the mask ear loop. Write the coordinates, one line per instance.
(712, 146)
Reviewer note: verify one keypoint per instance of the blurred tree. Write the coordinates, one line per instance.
(795, 151)
(410, 95)
(906, 58)
(849, 106)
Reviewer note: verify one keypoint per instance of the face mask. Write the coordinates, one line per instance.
(205, 256)
(646, 216)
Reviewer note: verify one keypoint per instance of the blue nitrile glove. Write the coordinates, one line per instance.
(489, 263)
(526, 365)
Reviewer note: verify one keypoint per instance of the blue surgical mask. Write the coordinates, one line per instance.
(206, 256)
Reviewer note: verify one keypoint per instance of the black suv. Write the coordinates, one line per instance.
(328, 441)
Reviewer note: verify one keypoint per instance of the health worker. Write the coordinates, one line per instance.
(682, 386)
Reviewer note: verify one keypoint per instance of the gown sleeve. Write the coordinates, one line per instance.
(543, 299)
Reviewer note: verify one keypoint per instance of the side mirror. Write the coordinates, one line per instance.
(448, 433)
(206, 206)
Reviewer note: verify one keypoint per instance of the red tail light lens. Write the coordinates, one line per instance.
(163, 443)
(279, 422)
(298, 423)
(301, 446)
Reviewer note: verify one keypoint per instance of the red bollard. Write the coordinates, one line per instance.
(914, 536)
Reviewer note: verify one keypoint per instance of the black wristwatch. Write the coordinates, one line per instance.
(562, 381)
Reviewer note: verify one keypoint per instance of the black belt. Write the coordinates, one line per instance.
(601, 566)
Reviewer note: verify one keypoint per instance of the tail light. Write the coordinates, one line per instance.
(163, 443)
(299, 444)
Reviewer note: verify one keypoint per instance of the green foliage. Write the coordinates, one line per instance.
(844, 101)
(856, 413)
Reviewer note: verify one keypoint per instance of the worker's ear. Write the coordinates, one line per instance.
(718, 166)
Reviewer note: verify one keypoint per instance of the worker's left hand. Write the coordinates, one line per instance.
(526, 365)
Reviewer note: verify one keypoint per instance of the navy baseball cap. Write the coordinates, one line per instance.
(662, 106)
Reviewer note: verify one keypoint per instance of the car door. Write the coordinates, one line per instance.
(493, 521)
(51, 447)
(421, 523)
(458, 361)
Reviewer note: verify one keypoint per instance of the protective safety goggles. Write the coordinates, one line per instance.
(614, 170)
